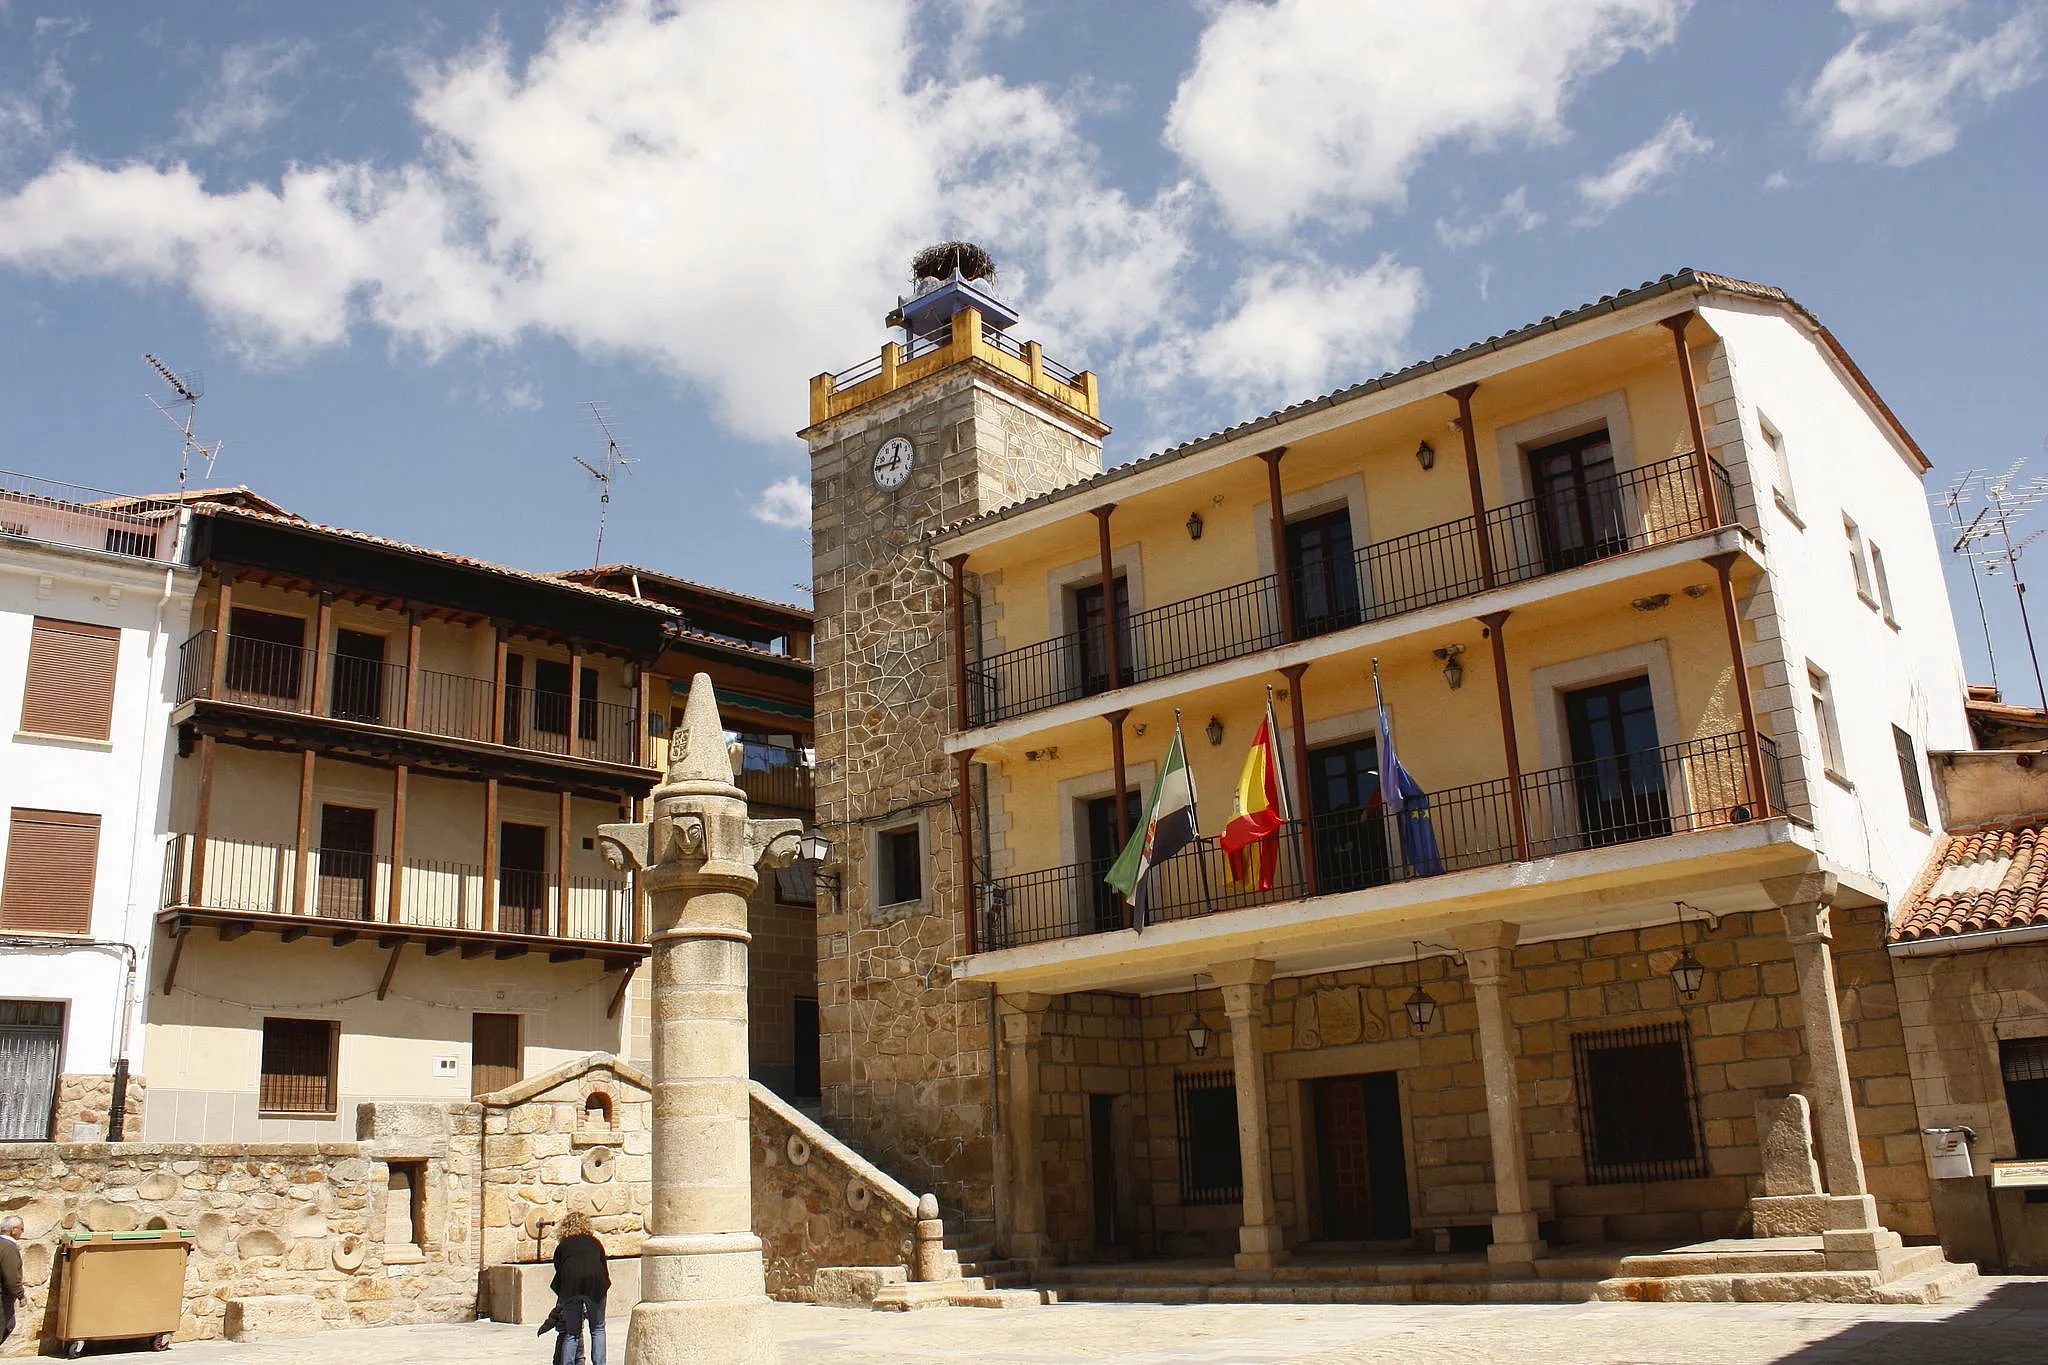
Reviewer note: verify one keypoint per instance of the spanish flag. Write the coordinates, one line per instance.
(1256, 814)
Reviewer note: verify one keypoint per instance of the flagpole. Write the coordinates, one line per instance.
(1301, 854)
(1194, 812)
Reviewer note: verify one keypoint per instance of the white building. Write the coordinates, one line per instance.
(92, 604)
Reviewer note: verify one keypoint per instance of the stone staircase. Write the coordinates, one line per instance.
(1784, 1270)
(1567, 1278)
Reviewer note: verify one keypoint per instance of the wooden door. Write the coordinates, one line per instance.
(522, 879)
(1361, 1160)
(31, 1048)
(1322, 562)
(1578, 502)
(496, 1058)
(1099, 816)
(357, 692)
(348, 842)
(1350, 829)
(1104, 1191)
(265, 651)
(1094, 636)
(1617, 771)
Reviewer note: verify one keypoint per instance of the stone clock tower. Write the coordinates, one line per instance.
(954, 419)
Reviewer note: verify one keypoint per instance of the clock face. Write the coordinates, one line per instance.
(892, 462)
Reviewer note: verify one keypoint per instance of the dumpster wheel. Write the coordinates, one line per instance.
(74, 1349)
(162, 1342)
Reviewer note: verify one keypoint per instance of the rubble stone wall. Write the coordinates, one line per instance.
(577, 1138)
(818, 1203)
(85, 1100)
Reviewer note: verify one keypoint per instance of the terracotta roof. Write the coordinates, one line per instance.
(233, 495)
(1687, 278)
(709, 589)
(445, 556)
(1980, 880)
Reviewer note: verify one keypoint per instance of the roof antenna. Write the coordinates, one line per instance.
(2007, 499)
(616, 463)
(187, 388)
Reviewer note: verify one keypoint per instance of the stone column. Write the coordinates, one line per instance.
(1022, 1019)
(1805, 900)
(1259, 1242)
(702, 1289)
(1487, 948)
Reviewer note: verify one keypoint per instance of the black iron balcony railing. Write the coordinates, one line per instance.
(348, 884)
(280, 677)
(1631, 510)
(1681, 788)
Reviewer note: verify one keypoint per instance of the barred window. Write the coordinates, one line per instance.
(1211, 1169)
(298, 1066)
(2024, 1062)
(1638, 1112)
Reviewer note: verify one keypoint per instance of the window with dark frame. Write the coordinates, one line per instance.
(1211, 1167)
(2023, 1063)
(70, 685)
(298, 1066)
(265, 654)
(899, 866)
(1639, 1117)
(1909, 776)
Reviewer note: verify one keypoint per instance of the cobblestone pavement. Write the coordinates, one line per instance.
(2006, 1320)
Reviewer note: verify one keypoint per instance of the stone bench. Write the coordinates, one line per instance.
(272, 1317)
(1433, 1230)
(520, 1291)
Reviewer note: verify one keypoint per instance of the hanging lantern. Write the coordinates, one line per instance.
(1421, 1008)
(1688, 974)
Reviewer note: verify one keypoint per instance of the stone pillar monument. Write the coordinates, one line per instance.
(703, 1296)
(1489, 950)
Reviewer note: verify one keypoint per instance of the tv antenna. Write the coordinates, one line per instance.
(186, 389)
(1988, 541)
(616, 462)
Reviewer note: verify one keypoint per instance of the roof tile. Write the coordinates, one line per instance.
(1979, 881)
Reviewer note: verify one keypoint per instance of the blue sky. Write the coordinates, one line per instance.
(406, 248)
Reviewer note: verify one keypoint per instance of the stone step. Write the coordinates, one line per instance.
(1799, 1286)
(1936, 1284)
(1913, 1261)
(1494, 1291)
(1670, 1265)
(998, 1298)
(909, 1296)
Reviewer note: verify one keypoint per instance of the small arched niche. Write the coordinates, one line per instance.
(597, 1110)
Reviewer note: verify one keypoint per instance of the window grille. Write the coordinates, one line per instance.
(298, 1066)
(1211, 1169)
(141, 543)
(1639, 1116)
(2024, 1059)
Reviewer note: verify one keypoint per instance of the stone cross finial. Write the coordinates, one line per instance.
(703, 1292)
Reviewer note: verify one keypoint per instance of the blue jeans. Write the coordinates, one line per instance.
(577, 1310)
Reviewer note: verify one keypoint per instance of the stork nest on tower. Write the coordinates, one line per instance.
(939, 262)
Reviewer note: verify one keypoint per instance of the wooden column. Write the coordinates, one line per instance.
(304, 863)
(575, 735)
(498, 651)
(639, 741)
(223, 617)
(563, 813)
(1703, 467)
(412, 669)
(963, 821)
(202, 820)
(1304, 812)
(394, 911)
(1276, 527)
(323, 653)
(1111, 642)
(1117, 780)
(490, 853)
(1470, 435)
(956, 586)
(1496, 630)
(1723, 565)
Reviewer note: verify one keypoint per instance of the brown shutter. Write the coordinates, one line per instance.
(70, 687)
(298, 1066)
(47, 888)
(495, 1055)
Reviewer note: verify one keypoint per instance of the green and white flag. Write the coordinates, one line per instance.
(1168, 827)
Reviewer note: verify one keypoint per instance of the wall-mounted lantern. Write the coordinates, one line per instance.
(1454, 671)
(1194, 526)
(1214, 730)
(1425, 455)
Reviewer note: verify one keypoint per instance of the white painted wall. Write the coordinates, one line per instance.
(1843, 459)
(124, 780)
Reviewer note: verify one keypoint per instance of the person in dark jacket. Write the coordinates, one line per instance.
(582, 1279)
(11, 1291)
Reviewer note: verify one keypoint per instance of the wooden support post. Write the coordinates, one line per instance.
(1703, 467)
(412, 669)
(390, 970)
(562, 816)
(1462, 395)
(574, 738)
(1304, 812)
(202, 820)
(638, 744)
(1111, 626)
(323, 653)
(1276, 527)
(394, 911)
(963, 821)
(1496, 630)
(499, 649)
(611, 1011)
(302, 878)
(956, 579)
(223, 619)
(1723, 565)
(178, 935)
(490, 909)
(1117, 780)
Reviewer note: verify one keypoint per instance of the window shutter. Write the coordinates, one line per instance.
(51, 857)
(70, 687)
(298, 1066)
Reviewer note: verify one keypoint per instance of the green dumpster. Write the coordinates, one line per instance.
(121, 1286)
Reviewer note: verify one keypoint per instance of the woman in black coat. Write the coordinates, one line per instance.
(582, 1279)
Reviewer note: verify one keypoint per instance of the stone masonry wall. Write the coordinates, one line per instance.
(817, 1203)
(280, 1218)
(1746, 1045)
(577, 1138)
(782, 965)
(88, 1101)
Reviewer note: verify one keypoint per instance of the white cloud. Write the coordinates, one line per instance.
(1514, 214)
(1778, 180)
(1305, 108)
(1891, 11)
(1642, 167)
(522, 397)
(1903, 101)
(1295, 329)
(785, 503)
(628, 190)
(243, 100)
